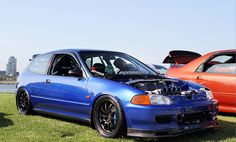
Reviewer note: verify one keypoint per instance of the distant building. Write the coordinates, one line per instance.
(11, 67)
(2, 73)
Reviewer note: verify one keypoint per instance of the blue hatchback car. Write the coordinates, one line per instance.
(117, 94)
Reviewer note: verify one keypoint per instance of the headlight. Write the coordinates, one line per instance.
(160, 100)
(208, 93)
(149, 99)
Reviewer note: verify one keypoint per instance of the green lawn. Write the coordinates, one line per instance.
(38, 128)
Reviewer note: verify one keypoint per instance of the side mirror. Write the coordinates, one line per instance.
(76, 73)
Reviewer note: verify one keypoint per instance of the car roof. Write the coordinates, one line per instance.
(223, 51)
(79, 50)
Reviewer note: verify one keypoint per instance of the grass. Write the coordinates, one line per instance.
(41, 128)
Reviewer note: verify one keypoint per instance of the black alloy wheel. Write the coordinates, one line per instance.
(23, 102)
(108, 117)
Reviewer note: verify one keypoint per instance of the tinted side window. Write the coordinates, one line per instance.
(223, 59)
(224, 64)
(40, 64)
(97, 60)
(89, 62)
(223, 68)
(62, 64)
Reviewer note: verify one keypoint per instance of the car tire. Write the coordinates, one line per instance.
(108, 117)
(23, 103)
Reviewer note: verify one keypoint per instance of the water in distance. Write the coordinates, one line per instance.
(7, 88)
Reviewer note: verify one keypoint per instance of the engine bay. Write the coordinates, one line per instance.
(167, 87)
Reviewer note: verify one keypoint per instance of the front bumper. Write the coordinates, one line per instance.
(170, 132)
(167, 121)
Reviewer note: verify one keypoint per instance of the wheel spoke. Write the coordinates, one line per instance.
(102, 125)
(105, 126)
(105, 107)
(107, 116)
(102, 109)
(23, 101)
(113, 110)
(110, 106)
(111, 125)
(102, 115)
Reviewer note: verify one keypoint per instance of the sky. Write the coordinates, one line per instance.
(145, 29)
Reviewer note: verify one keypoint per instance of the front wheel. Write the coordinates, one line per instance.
(108, 117)
(23, 102)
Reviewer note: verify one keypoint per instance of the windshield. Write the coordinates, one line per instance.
(115, 65)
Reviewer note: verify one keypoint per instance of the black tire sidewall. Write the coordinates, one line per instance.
(121, 125)
(28, 110)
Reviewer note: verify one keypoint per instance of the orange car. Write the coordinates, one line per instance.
(215, 70)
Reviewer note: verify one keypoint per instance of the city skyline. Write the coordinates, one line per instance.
(10, 67)
(148, 30)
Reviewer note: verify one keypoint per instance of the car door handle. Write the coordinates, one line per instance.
(48, 81)
(198, 77)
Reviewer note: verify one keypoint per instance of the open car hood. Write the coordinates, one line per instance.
(180, 57)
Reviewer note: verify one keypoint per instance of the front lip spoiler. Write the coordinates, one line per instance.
(165, 133)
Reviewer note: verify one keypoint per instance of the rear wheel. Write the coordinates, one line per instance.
(23, 102)
(108, 117)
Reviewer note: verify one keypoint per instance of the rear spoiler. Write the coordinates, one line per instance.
(180, 57)
(34, 56)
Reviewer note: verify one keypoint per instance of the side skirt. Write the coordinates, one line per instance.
(63, 116)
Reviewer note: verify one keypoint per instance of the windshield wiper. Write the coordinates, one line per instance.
(148, 80)
(154, 76)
